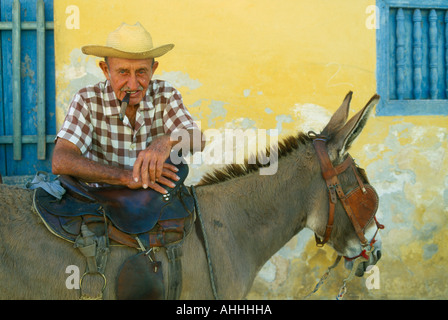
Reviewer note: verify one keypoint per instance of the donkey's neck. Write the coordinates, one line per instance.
(255, 215)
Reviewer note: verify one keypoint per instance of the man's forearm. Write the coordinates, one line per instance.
(89, 170)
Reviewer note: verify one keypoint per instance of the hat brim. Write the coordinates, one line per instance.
(103, 51)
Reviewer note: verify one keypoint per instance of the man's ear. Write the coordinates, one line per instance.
(105, 68)
(154, 67)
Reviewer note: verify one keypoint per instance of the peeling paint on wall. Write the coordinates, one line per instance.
(179, 79)
(81, 71)
(218, 113)
(311, 117)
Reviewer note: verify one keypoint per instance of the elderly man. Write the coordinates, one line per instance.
(103, 141)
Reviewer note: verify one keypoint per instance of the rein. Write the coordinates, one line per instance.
(207, 249)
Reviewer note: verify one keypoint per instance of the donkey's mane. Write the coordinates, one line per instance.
(230, 171)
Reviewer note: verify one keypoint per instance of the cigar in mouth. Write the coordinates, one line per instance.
(124, 105)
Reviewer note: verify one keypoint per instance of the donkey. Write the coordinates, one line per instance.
(247, 218)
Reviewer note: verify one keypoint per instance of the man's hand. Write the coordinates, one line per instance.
(150, 168)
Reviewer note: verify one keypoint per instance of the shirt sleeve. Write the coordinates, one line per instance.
(77, 127)
(176, 115)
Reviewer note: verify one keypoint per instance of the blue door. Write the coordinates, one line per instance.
(27, 86)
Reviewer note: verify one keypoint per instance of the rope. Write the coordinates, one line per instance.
(362, 257)
(207, 249)
(343, 289)
(324, 277)
(356, 262)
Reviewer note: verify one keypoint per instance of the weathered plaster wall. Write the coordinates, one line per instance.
(287, 65)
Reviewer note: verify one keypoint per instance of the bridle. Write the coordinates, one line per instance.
(360, 204)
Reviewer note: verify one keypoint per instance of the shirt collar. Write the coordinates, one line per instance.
(147, 101)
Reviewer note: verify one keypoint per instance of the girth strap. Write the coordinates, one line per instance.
(206, 246)
(174, 253)
(96, 251)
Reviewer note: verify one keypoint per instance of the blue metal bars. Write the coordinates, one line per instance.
(400, 63)
(40, 27)
(433, 61)
(446, 53)
(16, 26)
(420, 54)
(417, 53)
(16, 82)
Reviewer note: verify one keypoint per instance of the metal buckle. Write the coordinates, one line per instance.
(315, 136)
(332, 189)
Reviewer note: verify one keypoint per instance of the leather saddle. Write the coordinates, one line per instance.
(141, 219)
(130, 211)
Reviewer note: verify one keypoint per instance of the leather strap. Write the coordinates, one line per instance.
(330, 175)
(174, 253)
(96, 251)
(327, 169)
(121, 237)
(329, 228)
(361, 184)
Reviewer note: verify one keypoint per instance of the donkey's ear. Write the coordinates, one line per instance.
(344, 138)
(339, 118)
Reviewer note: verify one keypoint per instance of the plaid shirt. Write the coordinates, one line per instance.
(92, 122)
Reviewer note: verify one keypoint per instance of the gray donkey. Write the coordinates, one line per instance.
(247, 218)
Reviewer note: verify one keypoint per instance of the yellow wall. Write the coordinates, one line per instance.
(287, 65)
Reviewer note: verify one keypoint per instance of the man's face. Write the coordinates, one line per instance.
(127, 75)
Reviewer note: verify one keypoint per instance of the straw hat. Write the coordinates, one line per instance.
(128, 42)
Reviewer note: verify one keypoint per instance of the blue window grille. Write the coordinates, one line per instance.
(27, 86)
(412, 57)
